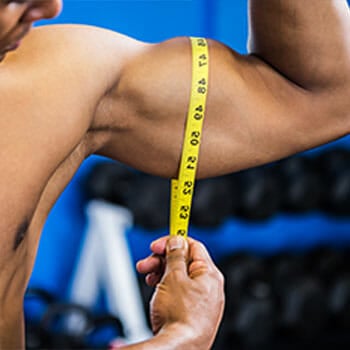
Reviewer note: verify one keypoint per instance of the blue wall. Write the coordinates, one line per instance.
(158, 20)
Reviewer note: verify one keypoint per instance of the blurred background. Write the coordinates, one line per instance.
(280, 233)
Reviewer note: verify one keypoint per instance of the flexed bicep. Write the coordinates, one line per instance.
(255, 115)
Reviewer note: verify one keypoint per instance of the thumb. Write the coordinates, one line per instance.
(176, 254)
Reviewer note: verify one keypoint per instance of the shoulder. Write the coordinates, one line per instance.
(83, 37)
(74, 50)
(53, 83)
(49, 89)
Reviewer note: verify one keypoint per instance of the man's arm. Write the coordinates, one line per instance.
(187, 305)
(70, 91)
(308, 42)
(291, 95)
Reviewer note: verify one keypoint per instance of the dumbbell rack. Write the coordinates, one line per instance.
(105, 265)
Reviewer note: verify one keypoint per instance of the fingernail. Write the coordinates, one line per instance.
(156, 241)
(140, 262)
(175, 242)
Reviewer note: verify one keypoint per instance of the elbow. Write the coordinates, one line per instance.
(335, 104)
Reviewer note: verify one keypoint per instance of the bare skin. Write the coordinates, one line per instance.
(182, 272)
(71, 91)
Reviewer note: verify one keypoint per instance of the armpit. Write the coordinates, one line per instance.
(21, 233)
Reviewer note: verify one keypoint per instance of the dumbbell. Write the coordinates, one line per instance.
(36, 302)
(212, 202)
(301, 184)
(334, 165)
(149, 202)
(259, 193)
(72, 326)
(339, 299)
(301, 297)
(110, 181)
(251, 312)
(331, 265)
(66, 326)
(105, 330)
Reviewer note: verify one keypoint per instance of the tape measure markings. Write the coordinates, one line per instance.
(182, 188)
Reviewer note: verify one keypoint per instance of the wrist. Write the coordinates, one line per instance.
(172, 337)
(181, 336)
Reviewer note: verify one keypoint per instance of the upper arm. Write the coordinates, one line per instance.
(255, 115)
(290, 94)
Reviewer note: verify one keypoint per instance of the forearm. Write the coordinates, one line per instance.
(306, 41)
(173, 338)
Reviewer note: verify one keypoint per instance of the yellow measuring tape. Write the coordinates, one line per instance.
(182, 188)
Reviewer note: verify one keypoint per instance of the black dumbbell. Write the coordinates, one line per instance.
(105, 328)
(212, 202)
(66, 326)
(301, 184)
(250, 312)
(331, 265)
(334, 165)
(301, 297)
(259, 193)
(149, 202)
(110, 181)
(36, 302)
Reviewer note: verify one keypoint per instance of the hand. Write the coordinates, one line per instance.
(189, 293)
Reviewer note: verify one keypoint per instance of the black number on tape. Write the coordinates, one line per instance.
(195, 138)
(183, 216)
(187, 188)
(184, 212)
(192, 160)
(201, 42)
(198, 116)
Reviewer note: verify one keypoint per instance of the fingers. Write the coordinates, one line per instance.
(152, 279)
(159, 246)
(200, 260)
(153, 263)
(188, 256)
(153, 268)
(176, 255)
(198, 252)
